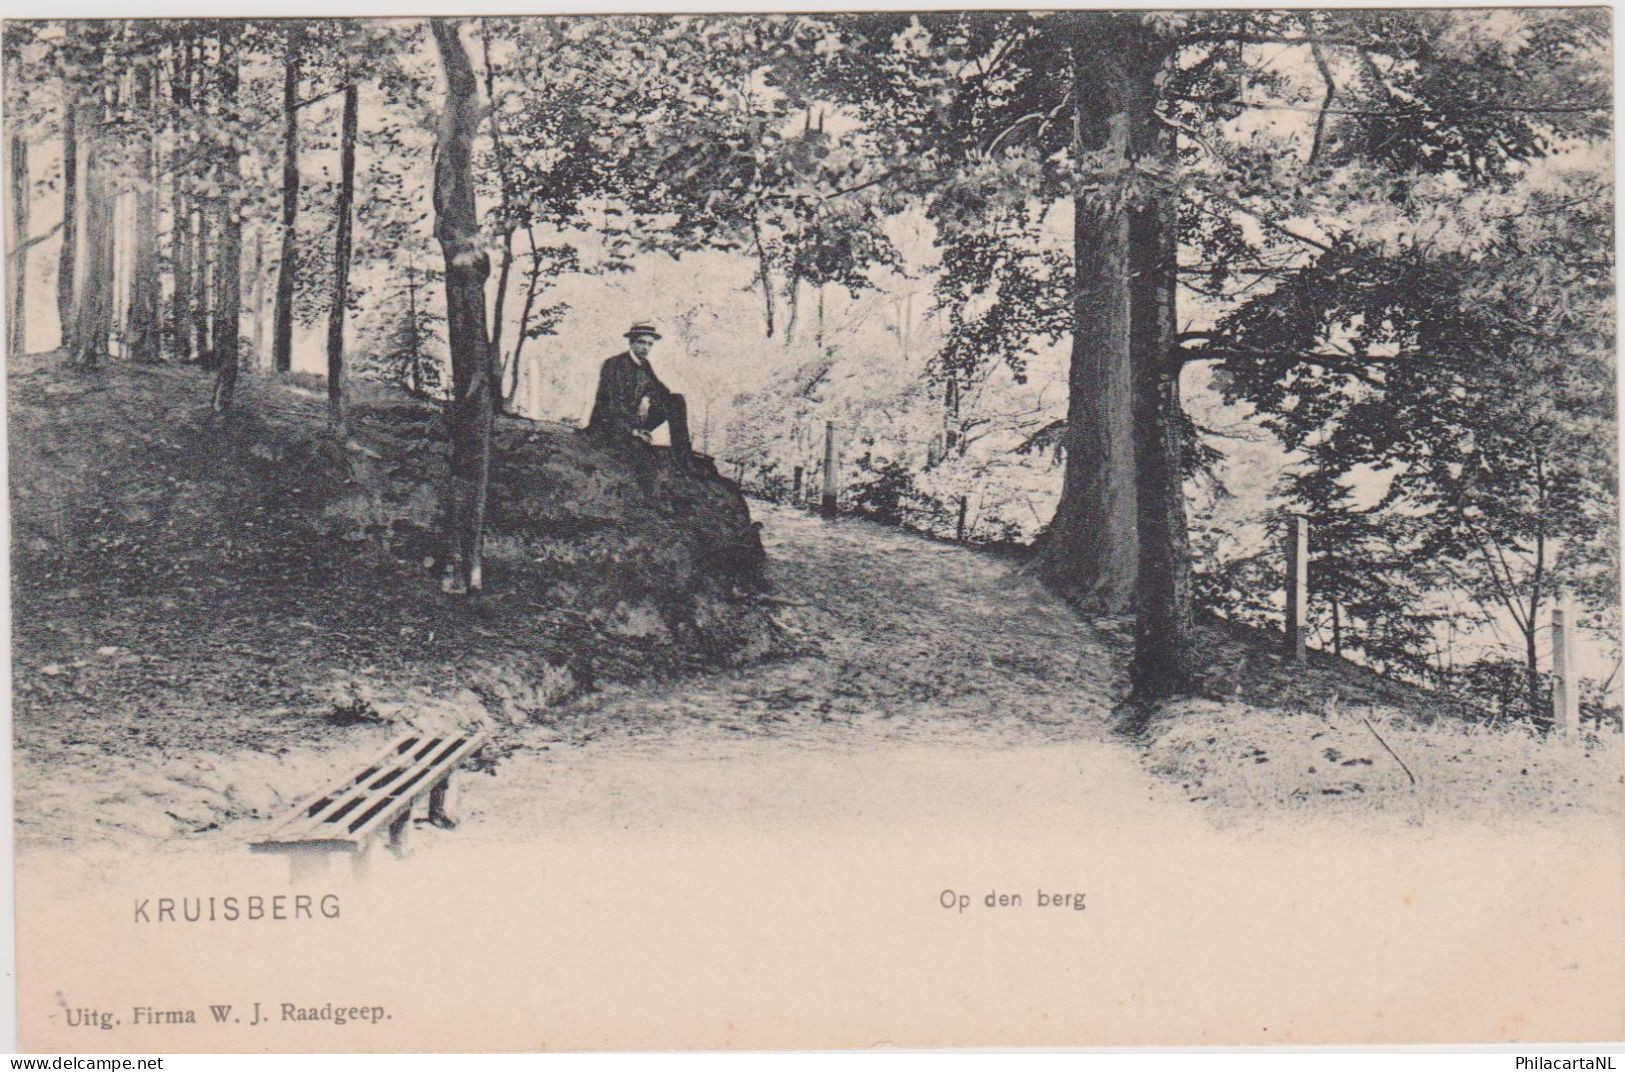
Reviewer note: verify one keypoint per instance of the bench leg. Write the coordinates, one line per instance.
(306, 868)
(439, 805)
(397, 832)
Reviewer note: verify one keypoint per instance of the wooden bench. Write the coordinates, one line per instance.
(377, 799)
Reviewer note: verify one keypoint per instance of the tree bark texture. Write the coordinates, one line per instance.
(1090, 550)
(1119, 536)
(282, 324)
(66, 270)
(1162, 658)
(341, 263)
(257, 296)
(468, 266)
(507, 204)
(203, 268)
(142, 326)
(17, 266)
(180, 208)
(229, 292)
(93, 311)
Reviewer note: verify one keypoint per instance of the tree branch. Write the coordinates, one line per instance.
(17, 253)
(1331, 92)
(1349, 365)
(1263, 221)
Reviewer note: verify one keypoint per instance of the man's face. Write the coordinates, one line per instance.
(642, 344)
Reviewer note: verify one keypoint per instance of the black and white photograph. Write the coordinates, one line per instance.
(728, 531)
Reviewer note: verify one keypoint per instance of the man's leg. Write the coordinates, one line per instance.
(677, 418)
(672, 411)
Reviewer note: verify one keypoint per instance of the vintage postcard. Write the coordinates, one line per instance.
(810, 531)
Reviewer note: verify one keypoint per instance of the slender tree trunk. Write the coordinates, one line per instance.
(531, 285)
(764, 275)
(144, 280)
(341, 265)
(282, 340)
(257, 296)
(17, 259)
(1162, 656)
(66, 269)
(180, 207)
(415, 345)
(157, 117)
(468, 267)
(228, 309)
(1091, 549)
(792, 305)
(198, 325)
(1531, 670)
(1540, 710)
(203, 267)
(506, 186)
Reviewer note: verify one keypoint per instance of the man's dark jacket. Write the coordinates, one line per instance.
(623, 384)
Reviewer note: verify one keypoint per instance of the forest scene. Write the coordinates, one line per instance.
(1232, 390)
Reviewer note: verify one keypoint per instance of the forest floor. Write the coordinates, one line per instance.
(924, 664)
(193, 711)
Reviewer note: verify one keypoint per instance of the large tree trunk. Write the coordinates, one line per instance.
(17, 259)
(66, 269)
(1119, 534)
(228, 307)
(142, 325)
(468, 266)
(93, 313)
(282, 331)
(228, 328)
(341, 265)
(1161, 665)
(1090, 550)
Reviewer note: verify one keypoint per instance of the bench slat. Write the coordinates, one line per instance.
(342, 817)
(346, 797)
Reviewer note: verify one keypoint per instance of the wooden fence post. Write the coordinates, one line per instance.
(959, 529)
(831, 502)
(795, 486)
(1565, 673)
(1297, 588)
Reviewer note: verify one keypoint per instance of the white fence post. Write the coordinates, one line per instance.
(1297, 588)
(832, 464)
(1565, 674)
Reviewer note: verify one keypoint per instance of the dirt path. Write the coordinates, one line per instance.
(917, 659)
(903, 638)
